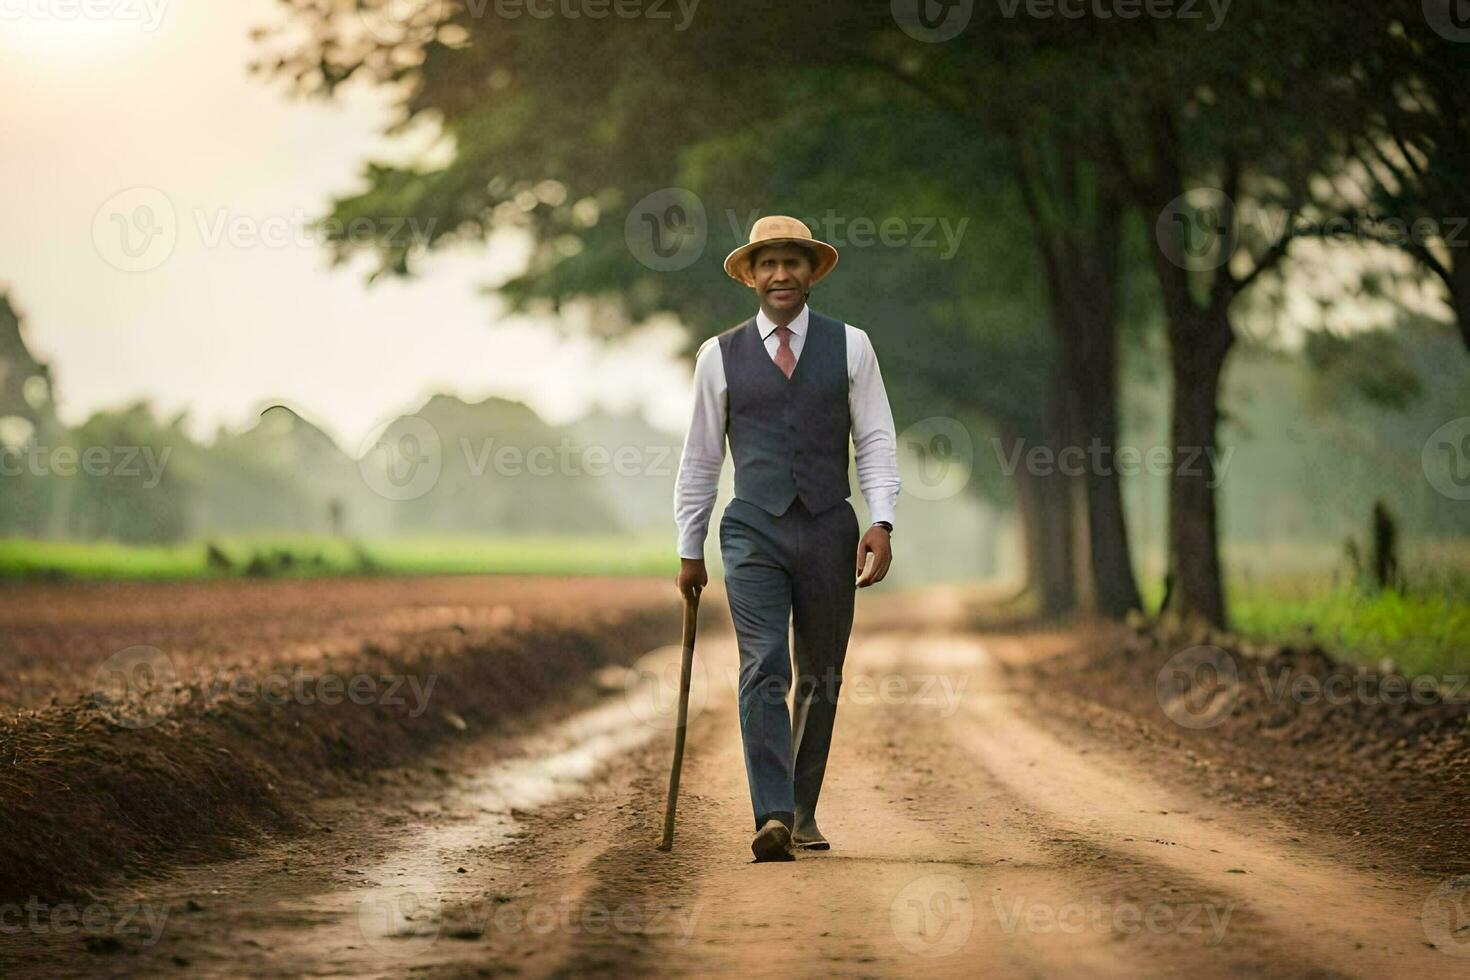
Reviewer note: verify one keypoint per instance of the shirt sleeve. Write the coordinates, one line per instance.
(874, 443)
(697, 483)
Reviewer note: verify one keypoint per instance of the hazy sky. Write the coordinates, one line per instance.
(116, 119)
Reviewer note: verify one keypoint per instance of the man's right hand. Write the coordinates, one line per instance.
(692, 576)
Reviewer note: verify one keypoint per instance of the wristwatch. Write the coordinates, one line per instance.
(885, 525)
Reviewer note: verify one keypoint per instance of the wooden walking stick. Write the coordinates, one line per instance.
(691, 616)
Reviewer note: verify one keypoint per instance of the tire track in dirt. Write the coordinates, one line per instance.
(1347, 922)
(936, 867)
(960, 843)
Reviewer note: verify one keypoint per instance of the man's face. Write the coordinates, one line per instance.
(782, 275)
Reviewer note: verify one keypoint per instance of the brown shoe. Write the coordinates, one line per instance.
(772, 842)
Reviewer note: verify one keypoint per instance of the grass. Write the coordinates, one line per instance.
(1424, 628)
(1422, 632)
(306, 557)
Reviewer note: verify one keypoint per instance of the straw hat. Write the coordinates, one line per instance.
(778, 229)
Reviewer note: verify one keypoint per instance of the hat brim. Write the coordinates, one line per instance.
(737, 266)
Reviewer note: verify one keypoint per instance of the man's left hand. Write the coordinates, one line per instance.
(875, 541)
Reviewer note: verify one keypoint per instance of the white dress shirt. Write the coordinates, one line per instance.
(874, 442)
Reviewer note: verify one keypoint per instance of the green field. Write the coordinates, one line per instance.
(1428, 633)
(1424, 629)
(1291, 593)
(301, 557)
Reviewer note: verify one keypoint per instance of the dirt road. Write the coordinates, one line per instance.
(971, 836)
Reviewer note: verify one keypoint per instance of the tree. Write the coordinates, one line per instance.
(545, 143)
(1220, 122)
(1400, 128)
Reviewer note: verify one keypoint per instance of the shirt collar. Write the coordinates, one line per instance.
(798, 326)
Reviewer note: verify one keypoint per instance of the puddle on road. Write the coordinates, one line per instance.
(394, 912)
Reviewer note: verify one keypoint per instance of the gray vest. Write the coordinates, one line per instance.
(788, 438)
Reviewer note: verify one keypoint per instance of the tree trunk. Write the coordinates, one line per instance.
(1095, 394)
(1081, 260)
(1079, 239)
(1046, 525)
(1199, 352)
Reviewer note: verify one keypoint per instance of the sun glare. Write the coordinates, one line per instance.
(37, 35)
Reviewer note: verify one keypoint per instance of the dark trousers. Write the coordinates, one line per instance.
(795, 569)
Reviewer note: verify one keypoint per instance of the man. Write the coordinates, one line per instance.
(788, 387)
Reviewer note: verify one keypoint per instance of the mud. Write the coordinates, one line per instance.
(199, 728)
